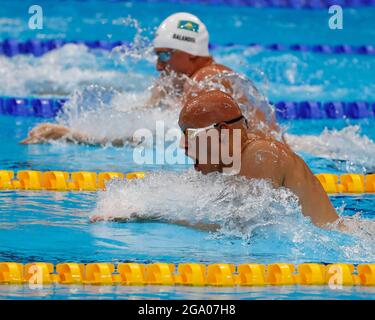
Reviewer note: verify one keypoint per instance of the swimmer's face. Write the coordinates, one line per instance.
(174, 60)
(204, 145)
(216, 147)
(213, 126)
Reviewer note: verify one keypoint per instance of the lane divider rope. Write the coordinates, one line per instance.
(293, 4)
(31, 107)
(36, 47)
(48, 108)
(188, 274)
(350, 183)
(324, 110)
(60, 180)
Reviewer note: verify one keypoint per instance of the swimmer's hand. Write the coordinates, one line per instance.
(45, 132)
(134, 217)
(98, 218)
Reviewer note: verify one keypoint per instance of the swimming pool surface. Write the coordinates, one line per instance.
(54, 226)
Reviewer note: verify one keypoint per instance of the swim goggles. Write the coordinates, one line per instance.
(192, 133)
(165, 56)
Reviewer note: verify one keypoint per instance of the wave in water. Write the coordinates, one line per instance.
(347, 145)
(268, 220)
(106, 113)
(61, 71)
(303, 76)
(290, 76)
(72, 67)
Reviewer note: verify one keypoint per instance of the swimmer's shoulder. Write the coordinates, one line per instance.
(204, 73)
(256, 144)
(264, 158)
(209, 71)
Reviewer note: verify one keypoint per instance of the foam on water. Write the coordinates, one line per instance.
(61, 71)
(114, 87)
(102, 113)
(92, 109)
(289, 75)
(347, 144)
(268, 220)
(72, 67)
(304, 76)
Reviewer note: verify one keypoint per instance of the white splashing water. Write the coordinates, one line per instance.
(139, 49)
(102, 113)
(60, 72)
(250, 209)
(292, 76)
(298, 76)
(346, 144)
(72, 67)
(107, 113)
(213, 199)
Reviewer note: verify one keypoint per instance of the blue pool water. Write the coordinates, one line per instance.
(54, 227)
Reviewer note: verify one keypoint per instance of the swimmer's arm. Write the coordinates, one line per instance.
(51, 132)
(80, 138)
(46, 131)
(314, 200)
(273, 161)
(134, 217)
(157, 94)
(197, 225)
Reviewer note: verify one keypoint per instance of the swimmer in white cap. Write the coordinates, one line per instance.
(181, 45)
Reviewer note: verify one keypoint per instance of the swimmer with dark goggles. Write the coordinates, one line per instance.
(192, 133)
(261, 158)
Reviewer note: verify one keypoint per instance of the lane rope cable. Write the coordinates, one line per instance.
(36, 47)
(349, 183)
(285, 110)
(294, 4)
(188, 274)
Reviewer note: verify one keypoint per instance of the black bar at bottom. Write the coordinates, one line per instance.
(180, 309)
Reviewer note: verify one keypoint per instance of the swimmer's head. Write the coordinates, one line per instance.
(181, 43)
(185, 32)
(212, 123)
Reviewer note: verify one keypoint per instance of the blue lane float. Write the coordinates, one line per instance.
(294, 4)
(12, 47)
(289, 110)
(323, 110)
(31, 107)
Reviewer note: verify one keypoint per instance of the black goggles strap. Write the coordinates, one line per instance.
(232, 121)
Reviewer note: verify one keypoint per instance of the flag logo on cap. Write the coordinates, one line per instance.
(188, 25)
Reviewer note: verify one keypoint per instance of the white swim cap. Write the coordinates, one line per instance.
(183, 31)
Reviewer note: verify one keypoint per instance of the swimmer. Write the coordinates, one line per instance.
(181, 46)
(260, 158)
